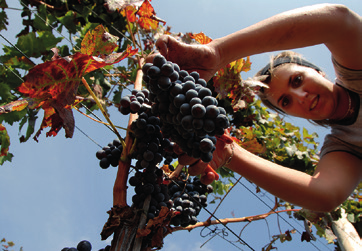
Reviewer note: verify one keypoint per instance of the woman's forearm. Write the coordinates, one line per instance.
(292, 29)
(288, 184)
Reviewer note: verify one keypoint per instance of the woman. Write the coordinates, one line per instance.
(298, 88)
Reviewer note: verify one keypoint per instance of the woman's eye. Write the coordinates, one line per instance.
(285, 102)
(297, 81)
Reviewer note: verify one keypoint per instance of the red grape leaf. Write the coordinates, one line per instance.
(200, 37)
(147, 14)
(56, 82)
(228, 82)
(99, 42)
(130, 13)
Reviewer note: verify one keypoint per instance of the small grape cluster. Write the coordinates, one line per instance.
(190, 115)
(110, 154)
(188, 196)
(82, 246)
(134, 102)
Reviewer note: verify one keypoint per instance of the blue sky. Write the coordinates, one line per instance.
(53, 194)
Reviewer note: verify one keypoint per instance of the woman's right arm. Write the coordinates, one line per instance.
(336, 26)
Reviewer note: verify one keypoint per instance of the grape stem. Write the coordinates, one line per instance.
(120, 184)
(177, 171)
(103, 111)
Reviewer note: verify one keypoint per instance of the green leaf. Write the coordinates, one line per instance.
(12, 117)
(3, 20)
(69, 21)
(5, 143)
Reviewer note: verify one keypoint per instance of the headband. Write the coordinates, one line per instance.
(285, 60)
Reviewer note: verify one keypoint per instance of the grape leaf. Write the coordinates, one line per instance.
(200, 37)
(5, 143)
(147, 14)
(99, 42)
(130, 13)
(55, 84)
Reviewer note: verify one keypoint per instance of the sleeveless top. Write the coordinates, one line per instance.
(347, 138)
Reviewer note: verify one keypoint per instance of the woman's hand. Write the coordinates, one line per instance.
(201, 58)
(222, 153)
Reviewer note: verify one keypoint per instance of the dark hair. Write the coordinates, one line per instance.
(264, 76)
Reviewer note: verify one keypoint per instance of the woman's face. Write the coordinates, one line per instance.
(303, 92)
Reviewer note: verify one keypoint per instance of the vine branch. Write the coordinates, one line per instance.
(232, 220)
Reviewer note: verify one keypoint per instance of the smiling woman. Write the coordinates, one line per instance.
(298, 88)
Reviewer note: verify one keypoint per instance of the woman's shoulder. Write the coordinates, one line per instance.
(349, 78)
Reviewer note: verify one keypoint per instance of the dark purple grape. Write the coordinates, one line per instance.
(84, 246)
(164, 82)
(195, 75)
(222, 121)
(209, 125)
(197, 123)
(188, 85)
(209, 100)
(135, 106)
(212, 111)
(154, 72)
(198, 111)
(101, 154)
(203, 92)
(125, 101)
(186, 122)
(202, 82)
(195, 101)
(159, 60)
(206, 145)
(167, 69)
(185, 109)
(183, 74)
(179, 100)
(148, 155)
(189, 79)
(104, 163)
(176, 89)
(190, 94)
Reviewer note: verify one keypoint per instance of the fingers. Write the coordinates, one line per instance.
(184, 159)
(162, 44)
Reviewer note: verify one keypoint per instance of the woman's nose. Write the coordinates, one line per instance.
(300, 95)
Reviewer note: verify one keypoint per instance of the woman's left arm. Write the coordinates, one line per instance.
(337, 174)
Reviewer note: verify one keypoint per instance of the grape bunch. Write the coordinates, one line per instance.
(188, 196)
(148, 153)
(134, 102)
(189, 114)
(110, 154)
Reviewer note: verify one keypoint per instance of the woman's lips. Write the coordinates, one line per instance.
(314, 102)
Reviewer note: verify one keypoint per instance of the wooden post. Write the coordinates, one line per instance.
(347, 236)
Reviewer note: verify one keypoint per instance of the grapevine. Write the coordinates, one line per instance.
(172, 108)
